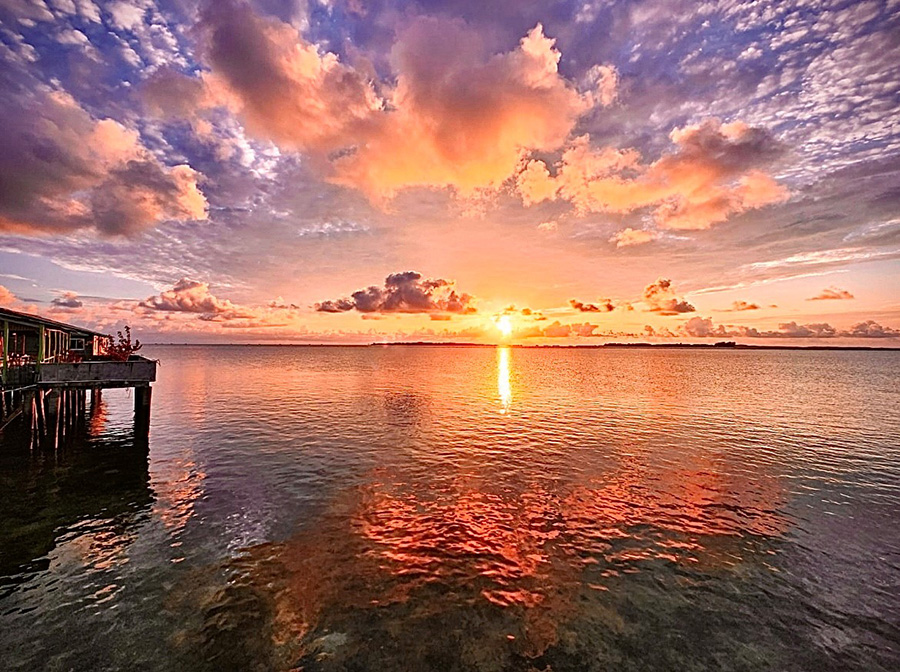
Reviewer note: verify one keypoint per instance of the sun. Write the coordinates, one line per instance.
(504, 324)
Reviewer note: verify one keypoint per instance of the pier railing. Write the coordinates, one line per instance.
(21, 375)
(102, 373)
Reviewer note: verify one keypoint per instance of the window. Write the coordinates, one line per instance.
(76, 344)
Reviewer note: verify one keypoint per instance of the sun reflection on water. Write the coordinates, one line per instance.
(504, 390)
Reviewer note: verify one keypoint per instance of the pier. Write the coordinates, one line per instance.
(48, 370)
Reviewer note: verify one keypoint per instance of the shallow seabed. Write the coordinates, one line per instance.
(433, 508)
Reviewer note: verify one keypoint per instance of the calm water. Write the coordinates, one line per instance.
(467, 509)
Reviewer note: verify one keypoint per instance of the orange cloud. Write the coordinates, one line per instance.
(454, 114)
(712, 174)
(7, 298)
(628, 237)
(660, 298)
(831, 294)
(738, 306)
(460, 117)
(603, 306)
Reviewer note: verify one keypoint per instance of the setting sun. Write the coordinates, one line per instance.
(504, 324)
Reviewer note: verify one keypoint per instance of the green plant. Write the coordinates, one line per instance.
(121, 348)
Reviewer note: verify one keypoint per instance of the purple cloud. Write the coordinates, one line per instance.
(405, 292)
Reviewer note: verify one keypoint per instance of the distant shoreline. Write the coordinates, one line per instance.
(537, 346)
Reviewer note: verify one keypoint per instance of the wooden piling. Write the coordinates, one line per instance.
(142, 396)
(57, 427)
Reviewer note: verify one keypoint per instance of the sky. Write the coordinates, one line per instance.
(355, 171)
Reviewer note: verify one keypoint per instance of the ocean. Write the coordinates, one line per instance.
(449, 508)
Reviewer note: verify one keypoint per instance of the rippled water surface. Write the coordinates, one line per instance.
(435, 508)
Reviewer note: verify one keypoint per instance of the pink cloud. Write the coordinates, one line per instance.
(282, 86)
(67, 300)
(190, 296)
(89, 173)
(605, 80)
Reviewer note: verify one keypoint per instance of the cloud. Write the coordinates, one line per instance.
(785, 330)
(794, 330)
(125, 15)
(190, 305)
(557, 329)
(831, 294)
(451, 114)
(704, 327)
(527, 313)
(282, 87)
(831, 257)
(605, 81)
(660, 298)
(63, 170)
(7, 298)
(405, 292)
(603, 306)
(714, 172)
(743, 305)
(168, 93)
(190, 296)
(460, 116)
(871, 329)
(67, 300)
(628, 237)
(279, 303)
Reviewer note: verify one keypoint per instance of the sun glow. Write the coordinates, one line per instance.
(504, 324)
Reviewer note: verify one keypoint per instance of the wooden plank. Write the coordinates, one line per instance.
(15, 414)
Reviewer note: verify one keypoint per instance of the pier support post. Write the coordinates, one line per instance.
(40, 413)
(142, 395)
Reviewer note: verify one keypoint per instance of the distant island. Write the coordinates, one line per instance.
(720, 345)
